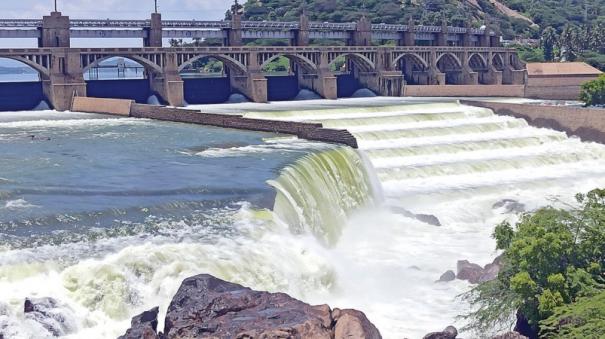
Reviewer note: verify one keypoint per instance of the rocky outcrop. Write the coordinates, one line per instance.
(143, 326)
(205, 306)
(55, 317)
(476, 274)
(447, 276)
(510, 335)
(449, 332)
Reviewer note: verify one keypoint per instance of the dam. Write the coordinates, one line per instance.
(108, 214)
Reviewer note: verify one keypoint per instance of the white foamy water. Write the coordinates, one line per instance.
(456, 163)
(336, 233)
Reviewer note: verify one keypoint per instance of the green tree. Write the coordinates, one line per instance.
(549, 41)
(593, 92)
(551, 258)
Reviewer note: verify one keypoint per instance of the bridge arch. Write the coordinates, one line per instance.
(476, 61)
(229, 62)
(478, 64)
(415, 58)
(42, 71)
(360, 60)
(450, 65)
(149, 66)
(22, 88)
(305, 63)
(497, 62)
(413, 67)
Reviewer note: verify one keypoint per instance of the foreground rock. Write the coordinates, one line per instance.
(476, 274)
(449, 332)
(54, 316)
(143, 326)
(205, 306)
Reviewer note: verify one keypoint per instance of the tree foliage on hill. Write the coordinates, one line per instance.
(554, 13)
(552, 258)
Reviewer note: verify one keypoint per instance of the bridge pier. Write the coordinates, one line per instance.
(154, 31)
(252, 85)
(54, 31)
(65, 80)
(322, 83)
(169, 85)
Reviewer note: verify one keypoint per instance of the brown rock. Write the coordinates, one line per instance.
(468, 271)
(476, 274)
(510, 335)
(449, 332)
(353, 324)
(206, 306)
(143, 326)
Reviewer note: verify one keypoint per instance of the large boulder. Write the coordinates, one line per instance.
(143, 326)
(449, 332)
(205, 306)
(58, 319)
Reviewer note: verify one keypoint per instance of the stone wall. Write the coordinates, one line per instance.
(102, 105)
(556, 87)
(464, 90)
(586, 123)
(303, 130)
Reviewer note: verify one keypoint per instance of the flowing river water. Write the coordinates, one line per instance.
(109, 215)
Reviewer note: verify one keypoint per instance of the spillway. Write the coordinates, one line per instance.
(110, 215)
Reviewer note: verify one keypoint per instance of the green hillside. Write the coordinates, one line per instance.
(514, 18)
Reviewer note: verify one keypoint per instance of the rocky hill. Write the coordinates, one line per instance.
(514, 18)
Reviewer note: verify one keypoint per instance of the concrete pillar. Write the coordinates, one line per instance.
(234, 33)
(469, 76)
(435, 77)
(54, 31)
(66, 78)
(467, 36)
(484, 39)
(252, 84)
(323, 83)
(301, 35)
(154, 31)
(362, 36)
(408, 37)
(169, 85)
(383, 81)
(442, 36)
(495, 40)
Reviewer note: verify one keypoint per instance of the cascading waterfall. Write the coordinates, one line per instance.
(343, 229)
(319, 191)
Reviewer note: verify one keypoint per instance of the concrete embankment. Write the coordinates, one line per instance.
(309, 131)
(586, 123)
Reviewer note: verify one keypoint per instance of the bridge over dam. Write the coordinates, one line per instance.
(387, 71)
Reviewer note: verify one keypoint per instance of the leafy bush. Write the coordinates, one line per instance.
(551, 258)
(583, 319)
(593, 92)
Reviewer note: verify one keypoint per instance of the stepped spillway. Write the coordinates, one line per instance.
(467, 167)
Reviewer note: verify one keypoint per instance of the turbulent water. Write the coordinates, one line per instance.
(109, 215)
